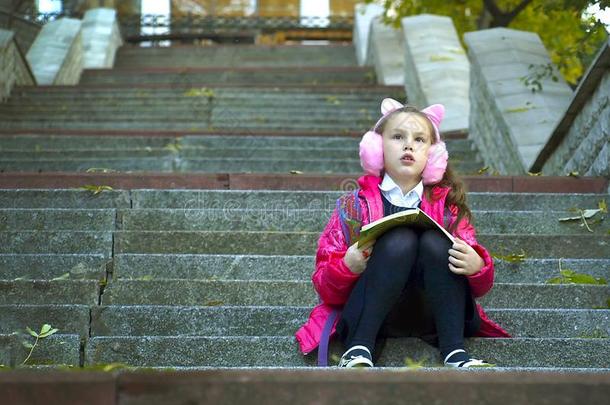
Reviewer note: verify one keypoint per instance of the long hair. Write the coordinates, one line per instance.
(451, 178)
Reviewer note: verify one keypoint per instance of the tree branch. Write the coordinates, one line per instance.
(493, 8)
(501, 18)
(511, 15)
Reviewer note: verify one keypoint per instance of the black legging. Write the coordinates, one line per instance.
(400, 257)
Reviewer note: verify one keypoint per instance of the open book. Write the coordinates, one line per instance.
(414, 217)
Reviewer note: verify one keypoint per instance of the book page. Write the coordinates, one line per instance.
(411, 217)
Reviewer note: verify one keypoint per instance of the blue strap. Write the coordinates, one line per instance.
(325, 338)
(447, 217)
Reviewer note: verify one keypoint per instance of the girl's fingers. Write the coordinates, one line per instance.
(456, 253)
(455, 269)
(456, 262)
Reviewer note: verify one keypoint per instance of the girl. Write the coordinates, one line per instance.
(409, 282)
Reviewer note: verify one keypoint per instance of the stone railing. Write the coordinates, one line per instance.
(424, 55)
(101, 38)
(506, 93)
(56, 56)
(436, 68)
(378, 45)
(363, 16)
(386, 52)
(581, 140)
(14, 69)
(64, 47)
(511, 120)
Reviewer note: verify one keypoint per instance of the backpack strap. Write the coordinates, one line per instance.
(325, 339)
(350, 215)
(447, 217)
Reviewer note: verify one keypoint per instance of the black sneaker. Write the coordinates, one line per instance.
(356, 356)
(469, 363)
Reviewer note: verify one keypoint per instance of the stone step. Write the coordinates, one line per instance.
(441, 386)
(261, 61)
(207, 165)
(282, 293)
(45, 292)
(69, 319)
(165, 164)
(244, 56)
(217, 113)
(283, 352)
(269, 75)
(51, 266)
(323, 119)
(206, 145)
(295, 220)
(76, 123)
(270, 199)
(279, 181)
(254, 267)
(304, 243)
(65, 198)
(69, 143)
(56, 242)
(281, 165)
(33, 155)
(222, 95)
(56, 219)
(116, 320)
(56, 350)
(197, 154)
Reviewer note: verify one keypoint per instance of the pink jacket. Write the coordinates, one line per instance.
(333, 281)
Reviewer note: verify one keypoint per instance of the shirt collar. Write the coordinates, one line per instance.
(388, 184)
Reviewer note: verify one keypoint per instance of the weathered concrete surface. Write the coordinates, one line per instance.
(363, 15)
(509, 123)
(436, 68)
(56, 56)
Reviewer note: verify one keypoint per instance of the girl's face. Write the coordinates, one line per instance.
(406, 144)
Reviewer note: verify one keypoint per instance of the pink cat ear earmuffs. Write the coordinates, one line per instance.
(371, 145)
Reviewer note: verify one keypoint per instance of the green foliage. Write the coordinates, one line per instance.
(597, 333)
(95, 189)
(370, 77)
(202, 92)
(334, 100)
(571, 38)
(485, 169)
(173, 147)
(537, 73)
(568, 276)
(411, 364)
(606, 306)
(46, 331)
(512, 257)
(583, 215)
(100, 170)
(572, 277)
(64, 276)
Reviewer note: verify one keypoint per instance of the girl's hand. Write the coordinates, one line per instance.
(463, 259)
(355, 259)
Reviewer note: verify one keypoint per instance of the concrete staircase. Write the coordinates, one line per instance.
(171, 278)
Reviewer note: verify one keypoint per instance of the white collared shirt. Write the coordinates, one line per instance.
(392, 192)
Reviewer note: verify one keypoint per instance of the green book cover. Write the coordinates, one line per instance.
(412, 217)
